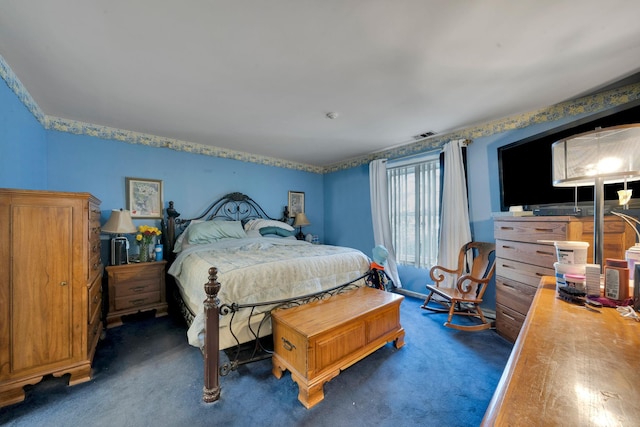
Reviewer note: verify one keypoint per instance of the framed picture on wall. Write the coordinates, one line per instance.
(144, 197)
(296, 203)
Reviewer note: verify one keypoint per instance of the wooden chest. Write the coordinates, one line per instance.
(318, 340)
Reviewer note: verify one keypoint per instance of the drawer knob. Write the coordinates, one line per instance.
(63, 283)
(287, 345)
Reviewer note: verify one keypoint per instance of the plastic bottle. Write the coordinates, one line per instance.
(158, 250)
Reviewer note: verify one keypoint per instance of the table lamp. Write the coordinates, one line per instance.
(119, 223)
(301, 221)
(602, 156)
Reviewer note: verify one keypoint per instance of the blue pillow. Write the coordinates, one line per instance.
(277, 231)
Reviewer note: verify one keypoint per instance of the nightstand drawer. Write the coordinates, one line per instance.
(138, 300)
(139, 286)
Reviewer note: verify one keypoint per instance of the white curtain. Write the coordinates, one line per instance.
(380, 215)
(455, 230)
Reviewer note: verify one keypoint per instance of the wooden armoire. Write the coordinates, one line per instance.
(50, 287)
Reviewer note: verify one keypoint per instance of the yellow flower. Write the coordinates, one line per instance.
(146, 233)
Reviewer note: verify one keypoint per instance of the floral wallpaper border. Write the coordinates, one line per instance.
(589, 104)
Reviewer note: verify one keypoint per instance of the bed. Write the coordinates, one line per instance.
(233, 264)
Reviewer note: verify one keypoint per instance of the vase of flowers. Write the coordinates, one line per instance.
(145, 240)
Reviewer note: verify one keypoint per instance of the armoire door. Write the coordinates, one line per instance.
(41, 291)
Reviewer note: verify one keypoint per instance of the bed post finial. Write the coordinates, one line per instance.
(211, 390)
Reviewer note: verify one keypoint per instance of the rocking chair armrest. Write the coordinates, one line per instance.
(468, 278)
(437, 278)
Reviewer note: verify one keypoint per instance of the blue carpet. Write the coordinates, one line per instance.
(145, 374)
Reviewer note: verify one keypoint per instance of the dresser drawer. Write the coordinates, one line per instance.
(93, 333)
(508, 322)
(515, 295)
(95, 299)
(530, 231)
(530, 253)
(522, 272)
(138, 300)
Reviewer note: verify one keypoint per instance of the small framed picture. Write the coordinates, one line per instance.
(144, 197)
(296, 203)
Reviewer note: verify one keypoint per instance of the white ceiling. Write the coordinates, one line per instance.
(260, 76)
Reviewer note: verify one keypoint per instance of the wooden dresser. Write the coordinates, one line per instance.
(316, 341)
(571, 366)
(50, 288)
(521, 260)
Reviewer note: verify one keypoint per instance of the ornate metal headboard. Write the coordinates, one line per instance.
(230, 207)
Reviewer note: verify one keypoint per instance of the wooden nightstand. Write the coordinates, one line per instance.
(136, 287)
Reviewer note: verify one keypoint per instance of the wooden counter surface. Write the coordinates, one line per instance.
(570, 366)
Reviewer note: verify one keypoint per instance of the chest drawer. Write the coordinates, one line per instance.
(522, 272)
(516, 295)
(530, 253)
(530, 231)
(508, 322)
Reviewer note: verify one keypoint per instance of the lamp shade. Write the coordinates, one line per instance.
(612, 154)
(301, 220)
(603, 156)
(119, 223)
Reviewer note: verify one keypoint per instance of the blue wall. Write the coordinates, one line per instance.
(23, 149)
(191, 181)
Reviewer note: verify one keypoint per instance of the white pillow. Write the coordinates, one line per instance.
(253, 233)
(177, 247)
(257, 224)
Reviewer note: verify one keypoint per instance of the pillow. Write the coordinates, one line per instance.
(253, 233)
(178, 245)
(210, 231)
(277, 231)
(257, 224)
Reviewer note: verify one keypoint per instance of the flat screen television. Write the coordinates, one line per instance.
(526, 169)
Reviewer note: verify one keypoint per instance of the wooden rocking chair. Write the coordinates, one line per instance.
(463, 293)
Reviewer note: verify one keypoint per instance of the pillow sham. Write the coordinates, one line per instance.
(257, 224)
(210, 231)
(277, 231)
(178, 245)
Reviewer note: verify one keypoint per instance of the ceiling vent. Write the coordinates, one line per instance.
(424, 135)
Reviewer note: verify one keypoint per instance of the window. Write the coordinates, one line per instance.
(414, 210)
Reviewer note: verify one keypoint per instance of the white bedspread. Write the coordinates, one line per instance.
(256, 270)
